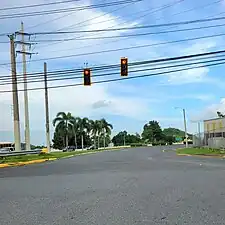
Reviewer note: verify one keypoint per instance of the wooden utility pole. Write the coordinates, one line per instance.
(46, 109)
(15, 96)
(26, 109)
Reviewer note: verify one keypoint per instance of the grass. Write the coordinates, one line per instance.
(58, 155)
(200, 151)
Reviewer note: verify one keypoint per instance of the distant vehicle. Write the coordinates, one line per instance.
(69, 149)
(10, 148)
(5, 150)
(92, 147)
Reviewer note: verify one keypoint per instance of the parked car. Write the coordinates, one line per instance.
(92, 147)
(5, 150)
(69, 149)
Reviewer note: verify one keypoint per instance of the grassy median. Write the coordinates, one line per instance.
(201, 151)
(58, 155)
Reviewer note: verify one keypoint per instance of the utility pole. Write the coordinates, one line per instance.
(24, 53)
(15, 96)
(199, 134)
(124, 139)
(46, 109)
(185, 128)
(27, 125)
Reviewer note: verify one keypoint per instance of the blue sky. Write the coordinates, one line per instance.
(126, 104)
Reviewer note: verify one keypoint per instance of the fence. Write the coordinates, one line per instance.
(211, 140)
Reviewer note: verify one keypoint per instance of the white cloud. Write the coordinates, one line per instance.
(189, 76)
(211, 111)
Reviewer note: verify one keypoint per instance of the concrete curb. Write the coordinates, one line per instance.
(203, 156)
(4, 165)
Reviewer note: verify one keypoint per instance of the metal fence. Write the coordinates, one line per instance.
(5, 154)
(211, 140)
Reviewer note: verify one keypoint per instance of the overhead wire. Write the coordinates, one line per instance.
(68, 76)
(37, 5)
(129, 35)
(149, 10)
(125, 48)
(198, 56)
(119, 79)
(178, 13)
(82, 22)
(63, 10)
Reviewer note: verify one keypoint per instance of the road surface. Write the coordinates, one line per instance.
(135, 186)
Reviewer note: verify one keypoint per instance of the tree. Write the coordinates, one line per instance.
(95, 130)
(152, 131)
(58, 138)
(75, 127)
(220, 115)
(84, 127)
(63, 123)
(123, 136)
(105, 128)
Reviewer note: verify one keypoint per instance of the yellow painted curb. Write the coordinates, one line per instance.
(4, 165)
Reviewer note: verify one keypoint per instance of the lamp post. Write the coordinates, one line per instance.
(199, 132)
(185, 125)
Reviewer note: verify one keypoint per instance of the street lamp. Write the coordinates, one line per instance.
(199, 133)
(185, 125)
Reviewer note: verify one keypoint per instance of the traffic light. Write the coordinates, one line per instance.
(124, 66)
(87, 77)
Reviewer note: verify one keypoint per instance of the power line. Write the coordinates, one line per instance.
(130, 35)
(63, 77)
(64, 10)
(185, 11)
(37, 5)
(125, 48)
(148, 9)
(43, 23)
(132, 28)
(120, 79)
(160, 60)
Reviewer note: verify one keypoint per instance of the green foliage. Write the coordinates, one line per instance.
(152, 131)
(78, 132)
(122, 136)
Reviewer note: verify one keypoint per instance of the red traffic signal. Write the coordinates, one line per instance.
(87, 77)
(124, 66)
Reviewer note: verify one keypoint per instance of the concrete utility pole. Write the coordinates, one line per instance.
(15, 97)
(124, 139)
(27, 125)
(185, 128)
(46, 109)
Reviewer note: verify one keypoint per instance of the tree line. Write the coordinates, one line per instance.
(152, 134)
(80, 132)
(84, 132)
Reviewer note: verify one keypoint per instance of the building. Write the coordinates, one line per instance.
(214, 128)
(6, 145)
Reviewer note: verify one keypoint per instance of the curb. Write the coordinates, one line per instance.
(203, 156)
(4, 165)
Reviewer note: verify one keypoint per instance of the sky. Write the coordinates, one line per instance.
(129, 104)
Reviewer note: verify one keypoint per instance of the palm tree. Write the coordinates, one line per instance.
(75, 127)
(84, 126)
(95, 129)
(63, 122)
(106, 128)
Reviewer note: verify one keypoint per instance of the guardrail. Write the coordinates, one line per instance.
(6, 154)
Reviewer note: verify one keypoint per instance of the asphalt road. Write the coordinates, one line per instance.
(137, 186)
